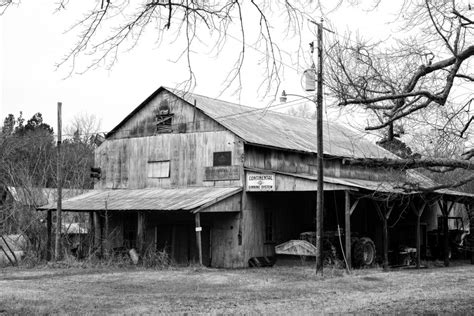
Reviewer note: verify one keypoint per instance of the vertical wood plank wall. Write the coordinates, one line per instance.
(293, 162)
(186, 119)
(124, 162)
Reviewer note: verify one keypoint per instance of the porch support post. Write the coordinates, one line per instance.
(443, 204)
(418, 214)
(197, 218)
(470, 212)
(384, 214)
(106, 240)
(97, 233)
(91, 232)
(49, 222)
(446, 235)
(418, 241)
(141, 222)
(347, 216)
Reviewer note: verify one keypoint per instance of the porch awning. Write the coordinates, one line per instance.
(149, 199)
(393, 187)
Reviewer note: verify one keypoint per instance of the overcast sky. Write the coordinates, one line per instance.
(33, 41)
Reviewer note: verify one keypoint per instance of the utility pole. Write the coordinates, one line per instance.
(57, 252)
(319, 149)
(318, 100)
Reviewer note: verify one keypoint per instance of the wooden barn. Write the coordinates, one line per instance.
(212, 181)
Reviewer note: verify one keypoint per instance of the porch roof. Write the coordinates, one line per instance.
(394, 187)
(384, 186)
(149, 199)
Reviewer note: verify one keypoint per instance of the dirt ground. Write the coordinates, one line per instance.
(282, 290)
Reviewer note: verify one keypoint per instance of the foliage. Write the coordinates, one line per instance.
(28, 161)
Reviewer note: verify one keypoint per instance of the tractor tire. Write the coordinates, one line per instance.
(363, 252)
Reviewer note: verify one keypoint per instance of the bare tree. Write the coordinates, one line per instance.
(413, 82)
(109, 28)
(306, 110)
(83, 127)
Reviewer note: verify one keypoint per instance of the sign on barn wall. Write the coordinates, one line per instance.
(260, 182)
(222, 173)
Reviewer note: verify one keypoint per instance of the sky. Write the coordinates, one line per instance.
(34, 40)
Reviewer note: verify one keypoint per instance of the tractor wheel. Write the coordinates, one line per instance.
(363, 252)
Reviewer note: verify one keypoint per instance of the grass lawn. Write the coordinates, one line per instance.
(279, 290)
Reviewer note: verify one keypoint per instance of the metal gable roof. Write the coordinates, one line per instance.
(149, 199)
(273, 129)
(36, 196)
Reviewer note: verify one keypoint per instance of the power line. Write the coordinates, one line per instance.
(221, 118)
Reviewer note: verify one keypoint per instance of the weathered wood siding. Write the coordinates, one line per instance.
(125, 162)
(293, 162)
(186, 119)
(226, 251)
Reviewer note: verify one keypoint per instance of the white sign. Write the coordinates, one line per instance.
(260, 182)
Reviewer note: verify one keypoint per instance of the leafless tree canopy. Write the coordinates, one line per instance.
(112, 27)
(419, 71)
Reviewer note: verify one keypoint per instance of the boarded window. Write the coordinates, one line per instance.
(159, 169)
(269, 236)
(222, 158)
(164, 118)
(164, 123)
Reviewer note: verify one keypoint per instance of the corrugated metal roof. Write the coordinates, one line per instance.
(40, 196)
(395, 187)
(398, 187)
(273, 129)
(149, 199)
(268, 128)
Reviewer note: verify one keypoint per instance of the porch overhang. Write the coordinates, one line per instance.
(192, 199)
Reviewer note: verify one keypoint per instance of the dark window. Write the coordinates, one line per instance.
(222, 158)
(130, 231)
(269, 226)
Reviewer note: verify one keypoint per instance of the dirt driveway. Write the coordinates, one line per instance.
(279, 290)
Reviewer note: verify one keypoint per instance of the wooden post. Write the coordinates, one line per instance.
(49, 224)
(141, 227)
(57, 248)
(91, 232)
(384, 216)
(385, 244)
(106, 233)
(418, 240)
(470, 212)
(446, 240)
(418, 214)
(347, 213)
(446, 234)
(320, 154)
(445, 210)
(98, 233)
(198, 236)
